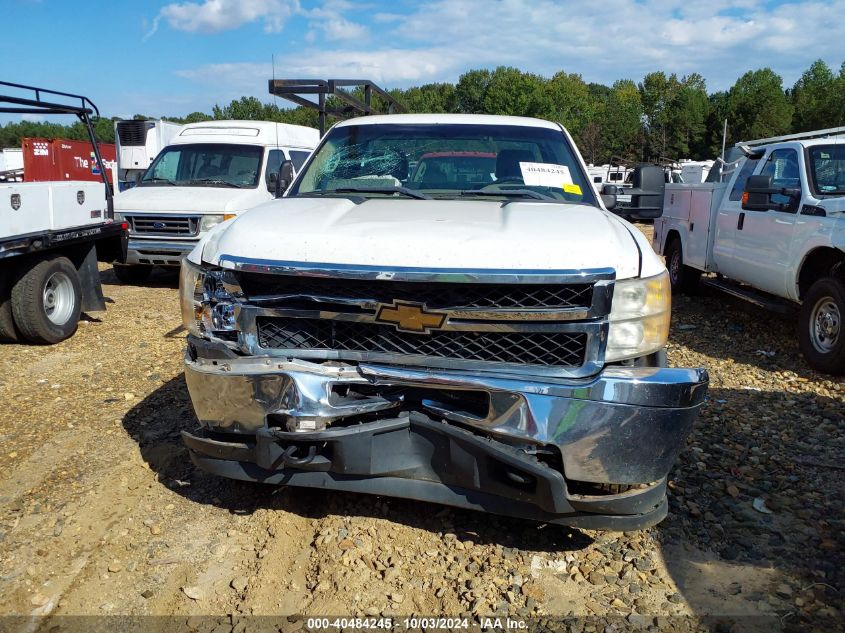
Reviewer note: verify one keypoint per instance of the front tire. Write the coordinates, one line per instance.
(821, 331)
(47, 301)
(132, 273)
(682, 278)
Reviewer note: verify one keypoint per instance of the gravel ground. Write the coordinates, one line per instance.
(101, 512)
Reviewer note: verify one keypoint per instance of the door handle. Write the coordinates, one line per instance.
(740, 222)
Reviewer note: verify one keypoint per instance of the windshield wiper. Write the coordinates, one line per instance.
(214, 181)
(508, 193)
(403, 190)
(156, 179)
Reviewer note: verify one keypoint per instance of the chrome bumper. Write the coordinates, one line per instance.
(622, 426)
(159, 252)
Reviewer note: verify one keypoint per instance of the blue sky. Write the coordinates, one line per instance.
(172, 58)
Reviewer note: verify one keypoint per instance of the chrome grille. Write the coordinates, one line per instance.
(163, 225)
(434, 295)
(531, 348)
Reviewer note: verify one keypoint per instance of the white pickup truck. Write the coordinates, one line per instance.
(485, 338)
(51, 236)
(773, 231)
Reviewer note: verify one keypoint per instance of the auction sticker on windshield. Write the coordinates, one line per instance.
(545, 175)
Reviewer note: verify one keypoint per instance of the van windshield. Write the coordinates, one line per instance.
(827, 169)
(426, 160)
(206, 165)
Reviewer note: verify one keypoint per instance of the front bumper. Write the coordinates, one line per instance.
(544, 449)
(158, 252)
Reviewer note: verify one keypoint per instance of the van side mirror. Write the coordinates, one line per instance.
(647, 194)
(284, 178)
(608, 196)
(758, 192)
(272, 179)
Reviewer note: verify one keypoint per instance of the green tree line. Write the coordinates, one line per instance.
(661, 116)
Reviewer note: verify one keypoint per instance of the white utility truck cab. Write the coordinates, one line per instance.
(481, 333)
(773, 232)
(210, 172)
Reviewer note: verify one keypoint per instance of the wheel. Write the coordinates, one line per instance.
(8, 331)
(682, 278)
(47, 300)
(132, 273)
(821, 334)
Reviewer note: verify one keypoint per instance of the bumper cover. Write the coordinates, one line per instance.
(160, 252)
(533, 449)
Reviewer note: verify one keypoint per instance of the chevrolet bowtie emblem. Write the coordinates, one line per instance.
(410, 317)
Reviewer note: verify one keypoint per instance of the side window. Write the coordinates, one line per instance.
(739, 184)
(274, 161)
(782, 166)
(298, 158)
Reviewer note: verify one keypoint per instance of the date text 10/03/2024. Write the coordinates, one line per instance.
(414, 623)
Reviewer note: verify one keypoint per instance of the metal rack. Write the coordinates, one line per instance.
(36, 104)
(295, 90)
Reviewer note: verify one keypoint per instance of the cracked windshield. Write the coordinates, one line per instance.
(447, 161)
(206, 165)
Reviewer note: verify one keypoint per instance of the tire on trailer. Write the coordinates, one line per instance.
(47, 301)
(8, 331)
(132, 273)
(821, 330)
(683, 278)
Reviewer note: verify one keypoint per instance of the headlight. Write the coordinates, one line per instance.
(208, 299)
(191, 280)
(639, 317)
(212, 220)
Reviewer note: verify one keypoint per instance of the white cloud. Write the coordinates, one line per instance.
(213, 16)
(437, 40)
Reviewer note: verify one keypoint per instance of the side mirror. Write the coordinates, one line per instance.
(608, 196)
(272, 179)
(758, 195)
(284, 178)
(647, 193)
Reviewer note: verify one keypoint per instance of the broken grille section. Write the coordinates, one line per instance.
(435, 295)
(532, 348)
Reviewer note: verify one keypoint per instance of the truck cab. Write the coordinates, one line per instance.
(210, 172)
(771, 230)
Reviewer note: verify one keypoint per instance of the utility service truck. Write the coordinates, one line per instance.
(52, 234)
(483, 333)
(210, 172)
(772, 229)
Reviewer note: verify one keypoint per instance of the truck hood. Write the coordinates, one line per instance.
(182, 199)
(431, 234)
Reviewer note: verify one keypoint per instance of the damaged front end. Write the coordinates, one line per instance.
(489, 392)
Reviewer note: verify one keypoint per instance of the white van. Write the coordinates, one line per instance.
(210, 172)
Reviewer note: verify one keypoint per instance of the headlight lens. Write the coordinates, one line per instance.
(208, 298)
(639, 317)
(191, 281)
(212, 220)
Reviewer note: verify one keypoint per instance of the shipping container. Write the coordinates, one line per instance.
(61, 159)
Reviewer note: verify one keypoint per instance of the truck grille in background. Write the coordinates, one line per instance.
(163, 226)
(532, 348)
(133, 133)
(434, 294)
